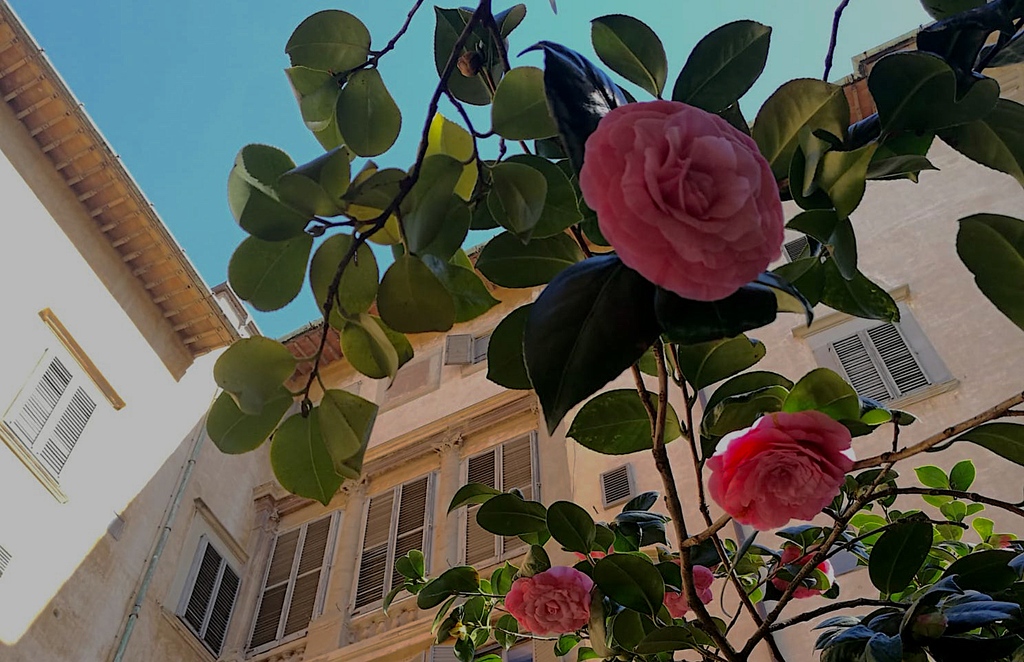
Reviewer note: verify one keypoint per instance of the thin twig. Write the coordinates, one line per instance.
(992, 413)
(1014, 508)
(836, 19)
(706, 534)
(834, 606)
(849, 544)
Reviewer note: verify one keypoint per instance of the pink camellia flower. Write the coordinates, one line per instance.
(702, 580)
(597, 556)
(791, 556)
(685, 198)
(785, 466)
(555, 601)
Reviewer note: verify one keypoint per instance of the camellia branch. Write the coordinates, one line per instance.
(834, 606)
(405, 186)
(836, 20)
(1014, 508)
(998, 411)
(849, 544)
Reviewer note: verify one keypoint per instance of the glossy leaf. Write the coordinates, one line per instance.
(425, 209)
(252, 370)
(447, 137)
(460, 579)
(986, 570)
(632, 50)
(738, 412)
(510, 515)
(746, 383)
(519, 110)
(962, 475)
(257, 209)
(398, 340)
(1003, 439)
(561, 208)
(317, 94)
(330, 40)
(357, 288)
(468, 292)
(996, 140)
(843, 176)
(346, 421)
(592, 322)
(365, 345)
(825, 391)
(616, 423)
(857, 296)
(707, 363)
(723, 66)
(300, 459)
(992, 247)
(571, 526)
(798, 104)
(413, 300)
(506, 365)
(453, 232)
(472, 493)
(269, 274)
(667, 639)
(516, 198)
(234, 432)
(631, 581)
(368, 118)
(836, 235)
(449, 25)
(507, 262)
(898, 554)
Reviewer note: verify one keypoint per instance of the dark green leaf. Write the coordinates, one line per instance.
(519, 110)
(468, 292)
(592, 322)
(506, 630)
(425, 209)
(300, 459)
(897, 167)
(996, 140)
(509, 515)
(1003, 439)
(367, 347)
(883, 648)
(413, 300)
(472, 493)
(234, 432)
(644, 501)
(723, 66)
(737, 412)
(330, 40)
(667, 639)
(836, 235)
(566, 643)
(992, 247)
(368, 118)
(561, 208)
(628, 629)
(632, 50)
(987, 571)
(358, 285)
(450, 24)
(571, 526)
(843, 177)
(461, 579)
(536, 561)
(516, 198)
(252, 370)
(707, 363)
(825, 391)
(455, 227)
(411, 565)
(616, 423)
(398, 340)
(746, 383)
(254, 202)
(898, 555)
(857, 296)
(506, 365)
(507, 262)
(269, 274)
(346, 423)
(631, 581)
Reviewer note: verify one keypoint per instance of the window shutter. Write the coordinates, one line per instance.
(860, 369)
(5, 560)
(443, 654)
(480, 346)
(794, 249)
(68, 430)
(28, 419)
(899, 361)
(220, 614)
(211, 597)
(411, 530)
(202, 589)
(307, 576)
(458, 349)
(616, 485)
(517, 473)
(268, 616)
(480, 545)
(373, 561)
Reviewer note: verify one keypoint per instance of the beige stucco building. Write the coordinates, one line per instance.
(206, 557)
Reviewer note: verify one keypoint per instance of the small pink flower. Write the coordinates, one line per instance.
(1001, 540)
(785, 466)
(594, 555)
(685, 198)
(791, 556)
(555, 601)
(702, 580)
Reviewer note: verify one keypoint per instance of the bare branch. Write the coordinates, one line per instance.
(1014, 508)
(835, 606)
(836, 19)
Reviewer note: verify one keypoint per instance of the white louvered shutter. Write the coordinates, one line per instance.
(458, 349)
(373, 561)
(517, 473)
(411, 527)
(860, 370)
(308, 572)
(616, 486)
(879, 363)
(794, 249)
(51, 414)
(480, 346)
(275, 589)
(5, 560)
(899, 361)
(480, 544)
(443, 654)
(211, 597)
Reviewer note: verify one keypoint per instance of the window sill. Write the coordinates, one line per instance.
(923, 394)
(34, 466)
(472, 368)
(274, 646)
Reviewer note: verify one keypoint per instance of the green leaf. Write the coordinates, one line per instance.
(368, 118)
(565, 644)
(737, 412)
(628, 629)
(425, 209)
(837, 237)
(519, 110)
(996, 140)
(561, 206)
(723, 66)
(857, 296)
(987, 570)
(468, 292)
(509, 515)
(346, 423)
(707, 363)
(300, 192)
(317, 94)
(398, 340)
(571, 526)
(592, 322)
(667, 639)
(746, 383)
(330, 40)
(940, 9)
(506, 365)
(257, 209)
(357, 288)
(961, 476)
(447, 137)
(1004, 439)
(931, 476)
(460, 579)
(507, 262)
(919, 91)
(798, 104)
(632, 50)
(411, 565)
(413, 300)
(843, 176)
(472, 493)
(365, 345)
(825, 391)
(252, 370)
(536, 561)
(992, 247)
(898, 167)
(616, 423)
(516, 198)
(898, 555)
(234, 432)
(269, 274)
(454, 230)
(631, 581)
(300, 459)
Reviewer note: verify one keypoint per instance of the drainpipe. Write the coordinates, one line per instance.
(165, 532)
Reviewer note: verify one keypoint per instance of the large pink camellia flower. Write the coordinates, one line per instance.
(791, 556)
(555, 601)
(785, 466)
(685, 198)
(702, 580)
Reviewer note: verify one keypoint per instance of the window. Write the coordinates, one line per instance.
(508, 466)
(5, 560)
(295, 582)
(464, 349)
(617, 485)
(418, 377)
(397, 521)
(527, 651)
(794, 249)
(209, 597)
(50, 413)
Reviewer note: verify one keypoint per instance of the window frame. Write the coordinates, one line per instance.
(325, 572)
(500, 554)
(389, 562)
(189, 588)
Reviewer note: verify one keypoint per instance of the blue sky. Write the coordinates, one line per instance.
(178, 87)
